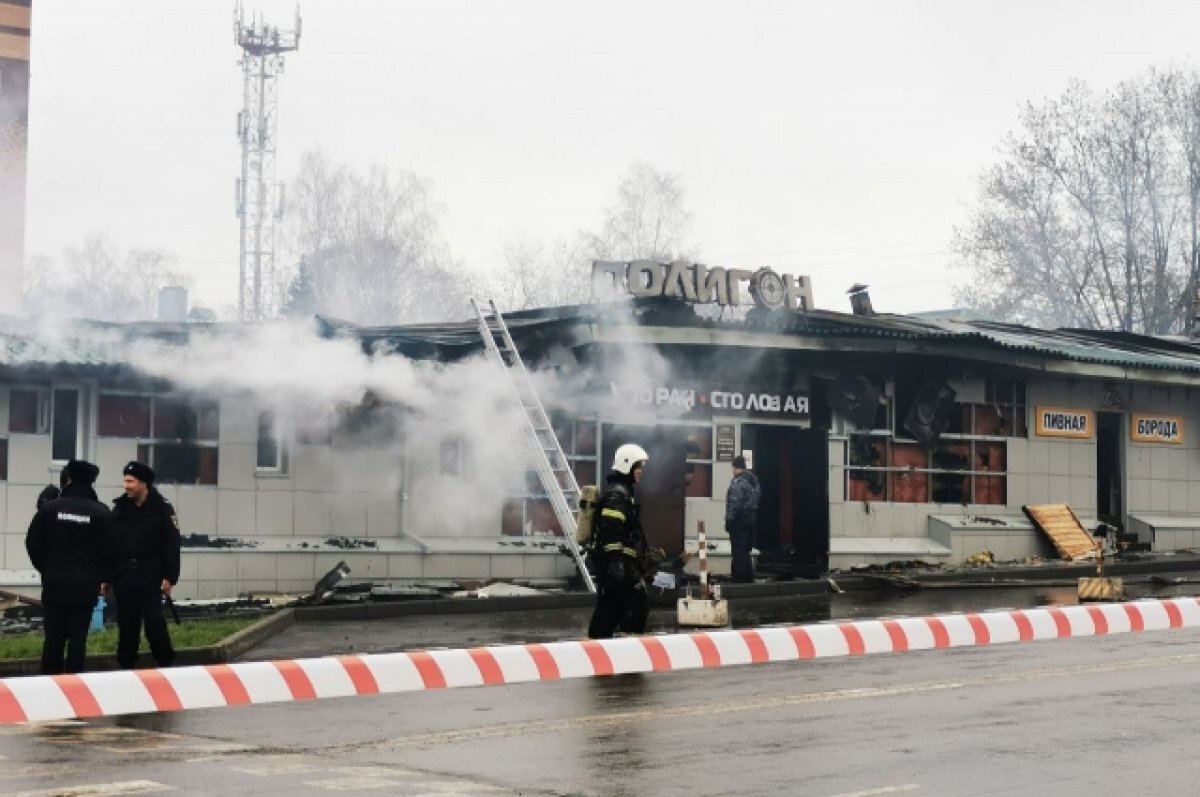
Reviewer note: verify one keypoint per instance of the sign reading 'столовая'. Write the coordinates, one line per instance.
(1059, 422)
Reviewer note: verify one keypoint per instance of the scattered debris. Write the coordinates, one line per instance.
(984, 557)
(324, 587)
(204, 541)
(498, 589)
(987, 520)
(390, 593)
(348, 544)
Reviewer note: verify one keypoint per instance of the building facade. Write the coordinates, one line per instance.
(876, 439)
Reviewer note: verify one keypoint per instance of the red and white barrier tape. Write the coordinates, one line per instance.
(95, 694)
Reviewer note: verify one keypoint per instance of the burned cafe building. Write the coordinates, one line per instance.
(876, 438)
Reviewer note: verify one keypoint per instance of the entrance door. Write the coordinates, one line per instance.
(793, 512)
(1109, 506)
(662, 490)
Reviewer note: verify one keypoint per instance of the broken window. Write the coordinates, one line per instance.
(271, 451)
(966, 465)
(123, 415)
(371, 424)
(177, 435)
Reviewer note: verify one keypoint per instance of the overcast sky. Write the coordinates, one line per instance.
(838, 140)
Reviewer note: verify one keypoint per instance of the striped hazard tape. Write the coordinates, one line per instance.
(96, 694)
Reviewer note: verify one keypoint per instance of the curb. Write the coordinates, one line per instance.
(96, 694)
(563, 600)
(222, 652)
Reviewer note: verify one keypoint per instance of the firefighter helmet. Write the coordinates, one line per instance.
(627, 456)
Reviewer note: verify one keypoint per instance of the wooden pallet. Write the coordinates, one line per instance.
(1062, 526)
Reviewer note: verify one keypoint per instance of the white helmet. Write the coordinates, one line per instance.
(627, 456)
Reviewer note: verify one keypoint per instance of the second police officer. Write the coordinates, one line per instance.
(146, 531)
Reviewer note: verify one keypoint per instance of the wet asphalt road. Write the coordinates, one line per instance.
(1108, 715)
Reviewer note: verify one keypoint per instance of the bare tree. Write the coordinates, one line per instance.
(367, 246)
(96, 279)
(1089, 219)
(647, 221)
(534, 276)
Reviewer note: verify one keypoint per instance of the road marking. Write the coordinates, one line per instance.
(98, 790)
(360, 778)
(883, 790)
(658, 714)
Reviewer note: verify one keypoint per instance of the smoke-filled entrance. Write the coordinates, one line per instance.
(791, 464)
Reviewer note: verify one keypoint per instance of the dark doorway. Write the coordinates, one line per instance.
(793, 513)
(1109, 506)
(662, 490)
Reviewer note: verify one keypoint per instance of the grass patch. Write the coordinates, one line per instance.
(191, 634)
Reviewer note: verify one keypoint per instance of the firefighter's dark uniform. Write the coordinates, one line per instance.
(70, 545)
(620, 551)
(147, 541)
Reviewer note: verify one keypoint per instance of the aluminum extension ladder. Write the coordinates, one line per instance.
(552, 464)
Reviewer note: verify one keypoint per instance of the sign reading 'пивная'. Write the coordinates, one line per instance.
(1059, 422)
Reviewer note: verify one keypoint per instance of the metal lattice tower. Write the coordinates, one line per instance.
(259, 196)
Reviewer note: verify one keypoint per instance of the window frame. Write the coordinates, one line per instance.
(281, 434)
(888, 439)
(42, 422)
(148, 446)
(81, 416)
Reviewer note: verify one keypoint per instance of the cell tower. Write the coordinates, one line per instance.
(259, 196)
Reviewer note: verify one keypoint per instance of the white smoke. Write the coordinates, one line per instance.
(460, 447)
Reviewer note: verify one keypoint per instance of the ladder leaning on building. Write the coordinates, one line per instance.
(552, 465)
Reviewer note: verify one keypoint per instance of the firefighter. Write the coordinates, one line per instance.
(147, 540)
(621, 550)
(70, 545)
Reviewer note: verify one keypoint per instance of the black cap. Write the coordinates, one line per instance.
(739, 462)
(81, 472)
(140, 471)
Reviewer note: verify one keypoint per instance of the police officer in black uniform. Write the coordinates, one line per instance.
(621, 550)
(70, 544)
(147, 541)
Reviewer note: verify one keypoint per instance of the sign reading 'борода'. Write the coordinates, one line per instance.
(694, 282)
(1145, 428)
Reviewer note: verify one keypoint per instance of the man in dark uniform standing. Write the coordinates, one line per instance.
(741, 520)
(70, 545)
(621, 550)
(146, 530)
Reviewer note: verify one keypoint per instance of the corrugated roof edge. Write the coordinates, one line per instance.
(1102, 347)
